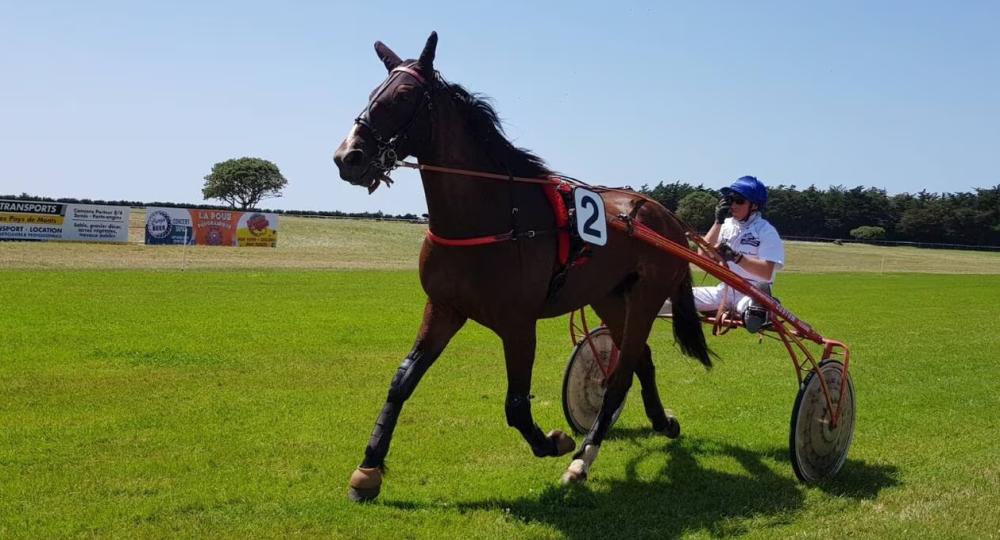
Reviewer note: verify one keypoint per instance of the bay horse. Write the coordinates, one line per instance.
(491, 253)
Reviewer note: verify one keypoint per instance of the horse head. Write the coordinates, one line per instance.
(395, 122)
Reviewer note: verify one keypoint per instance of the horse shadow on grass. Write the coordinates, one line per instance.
(684, 496)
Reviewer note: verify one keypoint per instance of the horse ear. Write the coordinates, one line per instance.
(427, 56)
(385, 54)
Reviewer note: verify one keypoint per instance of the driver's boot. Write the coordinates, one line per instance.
(756, 316)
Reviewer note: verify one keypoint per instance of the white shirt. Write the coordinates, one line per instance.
(755, 237)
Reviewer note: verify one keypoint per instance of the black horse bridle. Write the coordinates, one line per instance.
(386, 157)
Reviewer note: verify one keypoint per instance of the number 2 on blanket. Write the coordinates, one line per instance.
(591, 223)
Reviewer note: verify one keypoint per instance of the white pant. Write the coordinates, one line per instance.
(709, 299)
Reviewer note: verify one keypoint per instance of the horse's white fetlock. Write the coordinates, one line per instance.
(580, 467)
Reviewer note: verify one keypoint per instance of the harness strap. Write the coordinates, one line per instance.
(562, 220)
(476, 241)
(412, 72)
(486, 240)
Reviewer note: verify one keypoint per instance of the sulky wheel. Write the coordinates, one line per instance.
(585, 382)
(818, 450)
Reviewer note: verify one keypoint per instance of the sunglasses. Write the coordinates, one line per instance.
(738, 200)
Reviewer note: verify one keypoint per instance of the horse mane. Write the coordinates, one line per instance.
(486, 127)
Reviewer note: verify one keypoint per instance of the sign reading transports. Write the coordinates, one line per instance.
(33, 220)
(211, 227)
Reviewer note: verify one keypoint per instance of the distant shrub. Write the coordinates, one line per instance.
(867, 232)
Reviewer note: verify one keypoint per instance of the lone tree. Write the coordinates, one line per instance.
(244, 182)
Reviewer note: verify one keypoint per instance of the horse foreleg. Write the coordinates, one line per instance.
(519, 352)
(439, 325)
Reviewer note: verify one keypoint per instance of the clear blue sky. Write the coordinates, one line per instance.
(137, 100)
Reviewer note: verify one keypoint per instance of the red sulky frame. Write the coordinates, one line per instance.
(785, 327)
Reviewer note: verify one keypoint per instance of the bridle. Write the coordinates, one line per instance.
(386, 157)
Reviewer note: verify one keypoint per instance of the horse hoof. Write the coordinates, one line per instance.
(362, 495)
(564, 443)
(672, 429)
(365, 485)
(575, 474)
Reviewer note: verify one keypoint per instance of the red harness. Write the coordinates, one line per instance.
(553, 190)
(468, 242)
(552, 193)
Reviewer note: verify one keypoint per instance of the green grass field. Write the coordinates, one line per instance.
(157, 402)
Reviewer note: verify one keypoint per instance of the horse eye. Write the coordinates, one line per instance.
(404, 93)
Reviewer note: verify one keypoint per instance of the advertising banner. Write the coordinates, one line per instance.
(96, 223)
(30, 220)
(171, 226)
(255, 229)
(214, 227)
(211, 227)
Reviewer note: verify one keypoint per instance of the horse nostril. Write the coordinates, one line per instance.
(354, 158)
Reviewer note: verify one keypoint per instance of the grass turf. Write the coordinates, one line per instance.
(236, 403)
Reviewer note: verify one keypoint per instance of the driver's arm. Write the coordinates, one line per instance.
(712, 237)
(761, 268)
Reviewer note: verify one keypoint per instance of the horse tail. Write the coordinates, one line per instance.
(687, 324)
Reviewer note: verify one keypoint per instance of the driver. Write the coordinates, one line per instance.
(750, 246)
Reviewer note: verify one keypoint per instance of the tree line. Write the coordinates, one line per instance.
(971, 218)
(863, 213)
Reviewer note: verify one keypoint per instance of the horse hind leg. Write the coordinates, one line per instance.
(629, 315)
(630, 320)
(519, 354)
(663, 421)
(439, 325)
(612, 312)
(617, 388)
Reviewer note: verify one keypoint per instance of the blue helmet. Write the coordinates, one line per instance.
(752, 190)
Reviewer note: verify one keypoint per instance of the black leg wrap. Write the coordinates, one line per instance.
(403, 383)
(518, 409)
(378, 445)
(407, 376)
